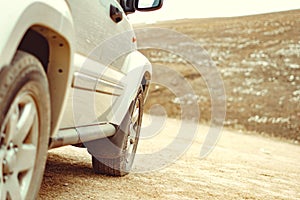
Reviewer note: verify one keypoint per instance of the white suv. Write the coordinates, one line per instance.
(70, 74)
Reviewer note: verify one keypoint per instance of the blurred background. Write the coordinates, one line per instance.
(173, 9)
(258, 57)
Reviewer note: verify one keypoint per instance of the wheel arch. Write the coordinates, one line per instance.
(50, 38)
(138, 72)
(54, 52)
(146, 84)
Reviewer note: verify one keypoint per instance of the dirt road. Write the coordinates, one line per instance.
(240, 167)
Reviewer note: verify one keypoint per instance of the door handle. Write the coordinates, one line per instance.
(116, 14)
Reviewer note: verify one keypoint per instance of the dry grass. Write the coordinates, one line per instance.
(258, 58)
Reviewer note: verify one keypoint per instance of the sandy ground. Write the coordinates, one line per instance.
(240, 167)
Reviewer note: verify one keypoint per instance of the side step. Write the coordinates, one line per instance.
(81, 134)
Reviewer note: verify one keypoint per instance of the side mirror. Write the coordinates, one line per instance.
(128, 6)
(148, 5)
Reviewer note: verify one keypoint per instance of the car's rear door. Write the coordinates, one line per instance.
(103, 39)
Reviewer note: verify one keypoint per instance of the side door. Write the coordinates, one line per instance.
(104, 38)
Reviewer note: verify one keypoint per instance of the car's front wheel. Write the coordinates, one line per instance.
(25, 127)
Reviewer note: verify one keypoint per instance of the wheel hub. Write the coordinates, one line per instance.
(10, 160)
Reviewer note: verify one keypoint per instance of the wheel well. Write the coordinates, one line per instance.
(35, 44)
(54, 53)
(145, 84)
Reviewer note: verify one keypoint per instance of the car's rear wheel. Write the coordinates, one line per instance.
(115, 155)
(25, 127)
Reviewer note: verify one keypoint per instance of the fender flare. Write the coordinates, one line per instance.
(48, 18)
(135, 65)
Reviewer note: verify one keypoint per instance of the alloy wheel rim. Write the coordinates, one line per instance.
(134, 129)
(18, 147)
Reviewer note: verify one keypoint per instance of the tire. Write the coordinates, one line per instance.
(114, 156)
(25, 127)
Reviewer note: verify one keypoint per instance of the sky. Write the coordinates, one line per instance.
(179, 9)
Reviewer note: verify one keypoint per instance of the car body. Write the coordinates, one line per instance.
(84, 81)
